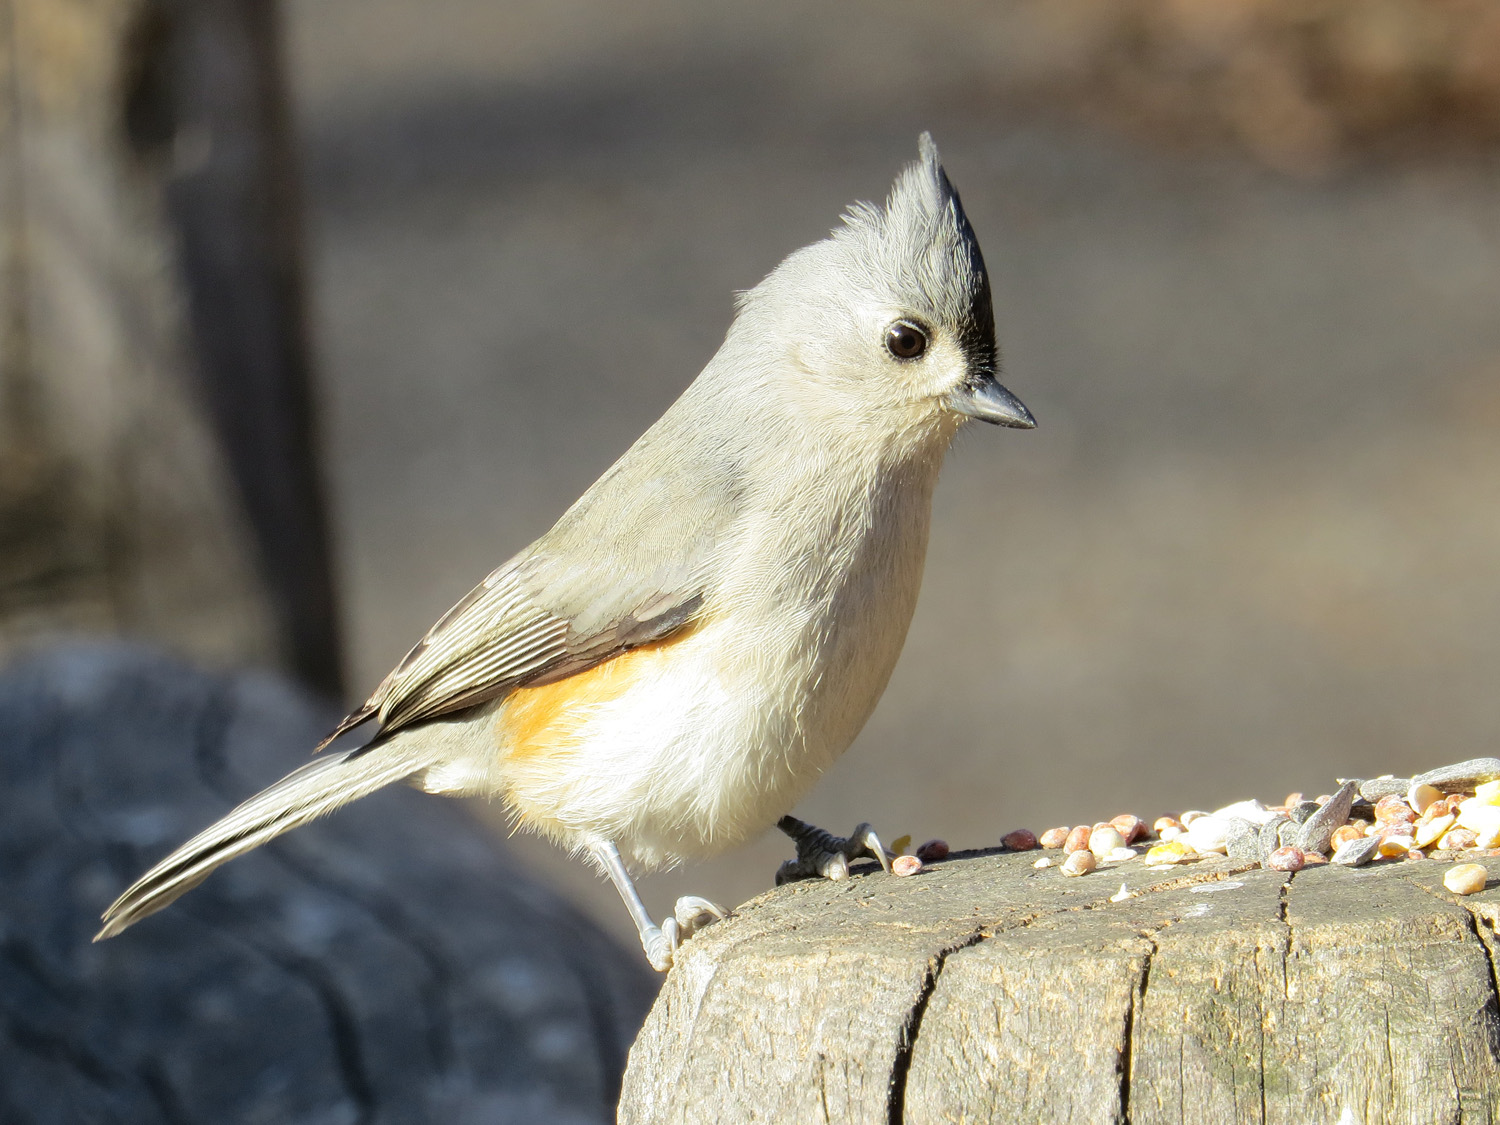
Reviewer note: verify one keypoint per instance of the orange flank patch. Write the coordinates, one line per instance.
(549, 719)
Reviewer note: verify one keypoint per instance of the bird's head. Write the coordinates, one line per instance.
(888, 321)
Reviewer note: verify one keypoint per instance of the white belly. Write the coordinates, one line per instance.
(723, 731)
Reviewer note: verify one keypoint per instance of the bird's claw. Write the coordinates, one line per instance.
(694, 913)
(661, 944)
(691, 914)
(820, 854)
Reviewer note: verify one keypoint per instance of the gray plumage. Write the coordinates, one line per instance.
(777, 513)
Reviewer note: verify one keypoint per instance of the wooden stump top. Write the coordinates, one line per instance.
(984, 989)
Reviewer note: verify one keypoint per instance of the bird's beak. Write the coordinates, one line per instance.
(988, 401)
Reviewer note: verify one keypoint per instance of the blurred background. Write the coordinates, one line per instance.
(1246, 264)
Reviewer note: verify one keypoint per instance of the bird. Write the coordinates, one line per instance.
(669, 669)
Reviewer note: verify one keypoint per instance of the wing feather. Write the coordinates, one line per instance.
(500, 636)
(626, 565)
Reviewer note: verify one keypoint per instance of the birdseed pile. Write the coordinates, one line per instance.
(1449, 813)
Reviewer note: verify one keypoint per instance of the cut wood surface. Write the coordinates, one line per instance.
(984, 989)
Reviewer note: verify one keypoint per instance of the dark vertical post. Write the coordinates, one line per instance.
(233, 200)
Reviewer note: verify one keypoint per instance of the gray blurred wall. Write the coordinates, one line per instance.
(1253, 544)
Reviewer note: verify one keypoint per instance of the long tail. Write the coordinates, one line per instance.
(302, 795)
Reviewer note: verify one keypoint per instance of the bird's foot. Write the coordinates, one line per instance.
(692, 914)
(823, 855)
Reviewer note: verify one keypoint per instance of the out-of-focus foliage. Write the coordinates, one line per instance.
(1303, 84)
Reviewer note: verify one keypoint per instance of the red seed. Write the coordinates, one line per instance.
(1078, 839)
(1392, 809)
(1342, 835)
(1021, 840)
(1287, 859)
(932, 851)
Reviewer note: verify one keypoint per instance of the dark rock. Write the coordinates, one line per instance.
(387, 963)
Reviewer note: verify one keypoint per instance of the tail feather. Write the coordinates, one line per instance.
(302, 795)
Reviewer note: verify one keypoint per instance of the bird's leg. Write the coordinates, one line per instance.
(822, 854)
(660, 942)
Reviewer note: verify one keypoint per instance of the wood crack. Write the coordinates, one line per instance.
(1478, 923)
(1137, 1002)
(912, 1026)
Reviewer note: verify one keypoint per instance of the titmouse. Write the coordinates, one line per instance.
(669, 669)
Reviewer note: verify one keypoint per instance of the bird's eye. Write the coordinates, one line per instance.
(905, 340)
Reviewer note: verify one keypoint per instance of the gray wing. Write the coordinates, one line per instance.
(501, 636)
(629, 564)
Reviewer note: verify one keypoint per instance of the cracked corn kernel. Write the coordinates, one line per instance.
(904, 865)
(1488, 837)
(1395, 845)
(1477, 815)
(1465, 878)
(1456, 839)
(1422, 797)
(1173, 851)
(1433, 830)
(1078, 839)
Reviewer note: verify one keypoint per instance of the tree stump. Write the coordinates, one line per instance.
(984, 989)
